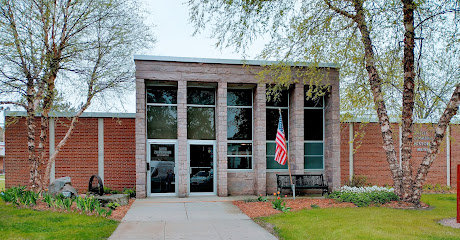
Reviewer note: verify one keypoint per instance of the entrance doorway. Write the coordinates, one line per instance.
(202, 168)
(162, 169)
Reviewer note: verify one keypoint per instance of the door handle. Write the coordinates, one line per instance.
(147, 167)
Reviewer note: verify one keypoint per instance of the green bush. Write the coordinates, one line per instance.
(362, 197)
(130, 192)
(19, 196)
(358, 181)
(113, 205)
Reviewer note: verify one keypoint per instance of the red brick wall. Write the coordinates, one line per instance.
(370, 160)
(119, 153)
(17, 169)
(454, 153)
(78, 159)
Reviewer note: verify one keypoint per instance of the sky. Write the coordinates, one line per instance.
(174, 37)
(173, 32)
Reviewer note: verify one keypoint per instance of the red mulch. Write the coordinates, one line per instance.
(263, 209)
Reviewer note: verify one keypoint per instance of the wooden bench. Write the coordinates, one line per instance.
(302, 181)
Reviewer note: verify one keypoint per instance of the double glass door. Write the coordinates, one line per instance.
(201, 168)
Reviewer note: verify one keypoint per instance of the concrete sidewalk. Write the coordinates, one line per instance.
(207, 217)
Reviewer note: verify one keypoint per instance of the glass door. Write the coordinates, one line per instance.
(201, 168)
(162, 166)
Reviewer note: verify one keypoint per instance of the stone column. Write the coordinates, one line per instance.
(182, 138)
(259, 139)
(141, 140)
(221, 137)
(296, 128)
(332, 132)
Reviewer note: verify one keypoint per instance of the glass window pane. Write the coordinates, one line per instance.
(273, 117)
(239, 97)
(200, 123)
(313, 148)
(282, 101)
(313, 124)
(161, 122)
(239, 149)
(239, 123)
(318, 102)
(313, 162)
(272, 164)
(239, 162)
(271, 148)
(162, 94)
(201, 96)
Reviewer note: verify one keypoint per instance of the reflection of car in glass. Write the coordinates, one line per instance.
(162, 176)
(201, 178)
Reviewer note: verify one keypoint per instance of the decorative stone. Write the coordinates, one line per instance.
(121, 199)
(61, 185)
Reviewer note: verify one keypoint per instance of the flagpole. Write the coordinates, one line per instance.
(289, 169)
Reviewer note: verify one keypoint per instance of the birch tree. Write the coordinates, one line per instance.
(66, 48)
(382, 48)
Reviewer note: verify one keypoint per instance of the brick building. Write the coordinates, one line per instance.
(205, 126)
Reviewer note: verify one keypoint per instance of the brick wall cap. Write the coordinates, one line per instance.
(71, 114)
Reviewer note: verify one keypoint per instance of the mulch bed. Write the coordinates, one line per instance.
(264, 209)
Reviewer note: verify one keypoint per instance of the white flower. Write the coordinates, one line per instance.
(365, 189)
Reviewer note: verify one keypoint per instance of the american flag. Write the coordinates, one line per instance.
(281, 149)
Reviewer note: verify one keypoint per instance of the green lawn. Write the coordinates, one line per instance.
(2, 182)
(29, 224)
(370, 222)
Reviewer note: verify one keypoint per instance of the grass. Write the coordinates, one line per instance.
(30, 224)
(369, 222)
(2, 182)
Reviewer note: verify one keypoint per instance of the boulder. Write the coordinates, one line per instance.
(61, 185)
(121, 199)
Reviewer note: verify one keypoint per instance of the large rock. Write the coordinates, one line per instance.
(121, 199)
(61, 185)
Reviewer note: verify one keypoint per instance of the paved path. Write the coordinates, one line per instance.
(203, 218)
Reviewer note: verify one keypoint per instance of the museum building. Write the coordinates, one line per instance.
(206, 126)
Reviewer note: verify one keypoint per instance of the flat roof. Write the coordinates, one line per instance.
(71, 114)
(226, 61)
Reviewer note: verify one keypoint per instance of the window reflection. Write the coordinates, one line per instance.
(239, 123)
(200, 123)
(161, 122)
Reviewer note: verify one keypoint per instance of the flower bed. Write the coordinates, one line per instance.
(364, 196)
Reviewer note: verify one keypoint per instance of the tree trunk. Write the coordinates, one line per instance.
(376, 83)
(407, 99)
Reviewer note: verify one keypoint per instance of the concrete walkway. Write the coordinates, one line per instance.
(203, 218)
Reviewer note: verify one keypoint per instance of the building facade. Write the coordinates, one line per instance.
(206, 126)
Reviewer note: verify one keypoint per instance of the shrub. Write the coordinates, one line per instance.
(130, 192)
(364, 196)
(314, 206)
(113, 205)
(107, 190)
(358, 181)
(262, 199)
(19, 196)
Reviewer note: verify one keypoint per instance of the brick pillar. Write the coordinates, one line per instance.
(141, 149)
(182, 138)
(296, 128)
(221, 137)
(259, 138)
(332, 133)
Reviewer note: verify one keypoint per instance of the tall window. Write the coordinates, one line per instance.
(161, 112)
(314, 133)
(201, 105)
(273, 116)
(239, 128)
